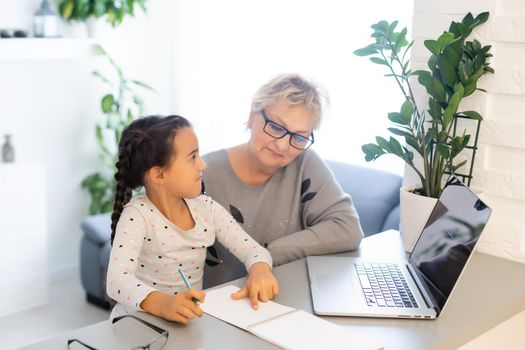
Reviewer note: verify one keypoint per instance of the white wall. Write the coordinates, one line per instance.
(51, 107)
(184, 49)
(500, 163)
(224, 50)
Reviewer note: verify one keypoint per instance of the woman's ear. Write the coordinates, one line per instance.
(156, 175)
(249, 124)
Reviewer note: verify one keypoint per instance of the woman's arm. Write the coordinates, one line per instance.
(330, 221)
(260, 283)
(230, 234)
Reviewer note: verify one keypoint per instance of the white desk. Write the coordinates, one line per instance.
(491, 291)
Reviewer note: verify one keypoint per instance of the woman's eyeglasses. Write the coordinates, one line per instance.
(156, 343)
(278, 131)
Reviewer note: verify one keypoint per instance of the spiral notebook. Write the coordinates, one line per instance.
(284, 326)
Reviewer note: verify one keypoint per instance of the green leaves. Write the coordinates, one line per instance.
(98, 187)
(472, 115)
(378, 60)
(367, 50)
(66, 9)
(107, 103)
(407, 108)
(453, 105)
(455, 66)
(120, 106)
(387, 44)
(114, 10)
(433, 46)
(372, 151)
(447, 71)
(482, 18)
(399, 132)
(443, 150)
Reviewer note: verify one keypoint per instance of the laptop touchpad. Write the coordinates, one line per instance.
(333, 283)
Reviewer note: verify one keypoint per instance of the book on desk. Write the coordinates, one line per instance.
(281, 325)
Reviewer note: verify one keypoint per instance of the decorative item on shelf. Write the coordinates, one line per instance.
(13, 33)
(8, 151)
(90, 11)
(431, 131)
(45, 22)
(121, 105)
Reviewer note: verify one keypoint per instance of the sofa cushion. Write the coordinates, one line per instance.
(104, 256)
(375, 194)
(392, 220)
(97, 228)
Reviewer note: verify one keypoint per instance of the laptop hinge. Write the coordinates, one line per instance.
(421, 287)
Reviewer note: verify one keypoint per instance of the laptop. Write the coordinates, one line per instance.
(417, 287)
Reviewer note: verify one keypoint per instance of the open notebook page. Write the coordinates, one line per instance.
(219, 304)
(281, 325)
(303, 331)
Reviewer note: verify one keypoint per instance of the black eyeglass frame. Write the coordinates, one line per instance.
(288, 132)
(162, 332)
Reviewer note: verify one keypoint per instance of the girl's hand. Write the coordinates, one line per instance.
(179, 308)
(261, 285)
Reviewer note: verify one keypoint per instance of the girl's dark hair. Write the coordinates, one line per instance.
(145, 143)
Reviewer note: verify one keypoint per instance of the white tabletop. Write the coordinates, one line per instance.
(490, 291)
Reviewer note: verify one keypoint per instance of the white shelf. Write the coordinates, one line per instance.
(45, 49)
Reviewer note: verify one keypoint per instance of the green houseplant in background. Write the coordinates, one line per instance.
(114, 10)
(455, 66)
(121, 105)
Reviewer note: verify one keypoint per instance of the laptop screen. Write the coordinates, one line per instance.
(448, 239)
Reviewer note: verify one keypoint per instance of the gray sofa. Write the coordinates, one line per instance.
(94, 257)
(375, 194)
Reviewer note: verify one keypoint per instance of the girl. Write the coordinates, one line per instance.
(170, 227)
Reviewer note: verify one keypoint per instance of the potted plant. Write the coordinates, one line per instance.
(121, 105)
(432, 142)
(90, 10)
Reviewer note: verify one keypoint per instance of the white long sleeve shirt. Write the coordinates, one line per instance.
(148, 250)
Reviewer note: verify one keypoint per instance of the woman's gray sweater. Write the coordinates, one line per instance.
(301, 210)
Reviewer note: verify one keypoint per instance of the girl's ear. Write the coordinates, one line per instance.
(156, 175)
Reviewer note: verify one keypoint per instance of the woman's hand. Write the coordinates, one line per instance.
(261, 285)
(179, 308)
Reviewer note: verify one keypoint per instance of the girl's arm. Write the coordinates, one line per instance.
(260, 283)
(123, 285)
(180, 308)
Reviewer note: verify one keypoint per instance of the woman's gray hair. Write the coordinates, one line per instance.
(294, 90)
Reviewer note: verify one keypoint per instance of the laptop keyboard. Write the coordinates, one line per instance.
(384, 285)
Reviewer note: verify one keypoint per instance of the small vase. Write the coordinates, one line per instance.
(415, 211)
(45, 22)
(8, 152)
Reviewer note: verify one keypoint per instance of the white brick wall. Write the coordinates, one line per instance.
(499, 172)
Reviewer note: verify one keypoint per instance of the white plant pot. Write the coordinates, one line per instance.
(97, 27)
(415, 211)
(75, 29)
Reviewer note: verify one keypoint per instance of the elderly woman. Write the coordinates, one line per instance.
(276, 186)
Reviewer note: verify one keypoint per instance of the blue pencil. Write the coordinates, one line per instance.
(187, 283)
